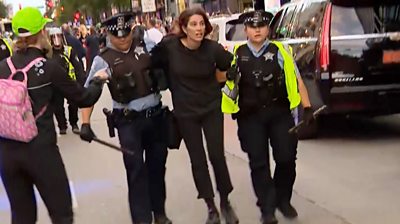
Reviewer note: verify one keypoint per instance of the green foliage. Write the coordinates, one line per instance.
(92, 8)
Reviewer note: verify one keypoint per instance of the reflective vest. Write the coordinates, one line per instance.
(67, 57)
(9, 48)
(230, 92)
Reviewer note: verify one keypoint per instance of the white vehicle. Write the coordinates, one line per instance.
(227, 31)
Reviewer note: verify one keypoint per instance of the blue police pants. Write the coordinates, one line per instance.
(258, 129)
(145, 169)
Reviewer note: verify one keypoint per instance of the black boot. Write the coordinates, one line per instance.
(162, 219)
(229, 214)
(287, 210)
(269, 219)
(75, 129)
(213, 217)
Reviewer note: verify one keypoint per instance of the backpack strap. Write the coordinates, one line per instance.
(24, 70)
(12, 67)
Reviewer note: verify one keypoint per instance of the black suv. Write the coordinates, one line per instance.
(348, 53)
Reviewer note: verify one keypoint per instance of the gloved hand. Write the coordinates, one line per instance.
(308, 116)
(231, 74)
(87, 133)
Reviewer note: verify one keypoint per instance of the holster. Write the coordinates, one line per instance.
(110, 122)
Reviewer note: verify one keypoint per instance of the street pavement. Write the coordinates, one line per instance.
(349, 175)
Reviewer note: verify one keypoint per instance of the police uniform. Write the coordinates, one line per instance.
(5, 49)
(67, 58)
(261, 94)
(138, 116)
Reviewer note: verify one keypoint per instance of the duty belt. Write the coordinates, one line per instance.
(148, 113)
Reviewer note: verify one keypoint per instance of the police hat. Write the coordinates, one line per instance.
(256, 18)
(119, 25)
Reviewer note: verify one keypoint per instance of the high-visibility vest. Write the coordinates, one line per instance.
(230, 92)
(67, 56)
(9, 48)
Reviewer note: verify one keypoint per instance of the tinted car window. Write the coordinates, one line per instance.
(287, 22)
(235, 32)
(274, 26)
(309, 20)
(365, 20)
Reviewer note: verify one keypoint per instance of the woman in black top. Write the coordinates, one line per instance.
(38, 162)
(191, 62)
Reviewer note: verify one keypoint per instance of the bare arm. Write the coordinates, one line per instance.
(86, 114)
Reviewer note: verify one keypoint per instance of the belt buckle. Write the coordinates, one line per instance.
(125, 111)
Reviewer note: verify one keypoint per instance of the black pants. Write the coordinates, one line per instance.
(59, 112)
(146, 177)
(213, 126)
(256, 130)
(21, 169)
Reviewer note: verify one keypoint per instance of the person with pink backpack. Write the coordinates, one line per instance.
(29, 155)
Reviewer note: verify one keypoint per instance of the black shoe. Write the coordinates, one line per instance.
(269, 219)
(63, 131)
(213, 217)
(287, 210)
(75, 129)
(229, 215)
(162, 219)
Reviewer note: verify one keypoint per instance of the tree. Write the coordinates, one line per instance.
(3, 10)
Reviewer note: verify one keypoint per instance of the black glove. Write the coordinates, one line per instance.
(308, 116)
(232, 73)
(87, 133)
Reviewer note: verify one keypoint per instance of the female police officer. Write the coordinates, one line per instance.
(137, 114)
(38, 162)
(269, 88)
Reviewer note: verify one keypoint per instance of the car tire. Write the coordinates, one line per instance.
(306, 131)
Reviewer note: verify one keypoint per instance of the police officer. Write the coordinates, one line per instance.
(138, 116)
(264, 86)
(68, 59)
(5, 49)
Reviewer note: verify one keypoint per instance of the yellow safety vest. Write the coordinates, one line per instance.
(230, 92)
(8, 46)
(67, 56)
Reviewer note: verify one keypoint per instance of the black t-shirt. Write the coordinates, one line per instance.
(191, 74)
(44, 79)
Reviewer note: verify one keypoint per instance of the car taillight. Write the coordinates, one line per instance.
(325, 43)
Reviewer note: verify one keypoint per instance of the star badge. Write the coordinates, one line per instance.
(268, 56)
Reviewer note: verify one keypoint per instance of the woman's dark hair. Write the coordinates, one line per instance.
(185, 16)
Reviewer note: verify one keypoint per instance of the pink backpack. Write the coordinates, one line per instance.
(17, 121)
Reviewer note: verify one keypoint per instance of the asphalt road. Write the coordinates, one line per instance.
(350, 174)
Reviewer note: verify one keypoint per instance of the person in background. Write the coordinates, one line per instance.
(92, 46)
(67, 58)
(152, 32)
(74, 43)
